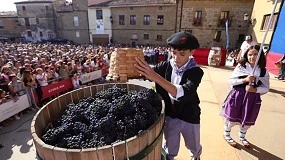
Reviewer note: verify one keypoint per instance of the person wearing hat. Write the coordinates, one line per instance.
(248, 42)
(177, 81)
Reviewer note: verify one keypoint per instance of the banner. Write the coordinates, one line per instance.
(11, 108)
(56, 88)
(87, 77)
(227, 35)
(99, 26)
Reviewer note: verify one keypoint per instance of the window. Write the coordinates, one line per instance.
(223, 18)
(146, 19)
(134, 36)
(37, 20)
(189, 31)
(99, 14)
(27, 22)
(50, 35)
(160, 8)
(1, 24)
(132, 20)
(29, 33)
(77, 34)
(265, 21)
(75, 21)
(217, 37)
(41, 34)
(23, 8)
(131, 8)
(46, 8)
(121, 20)
(198, 18)
(159, 37)
(146, 36)
(160, 20)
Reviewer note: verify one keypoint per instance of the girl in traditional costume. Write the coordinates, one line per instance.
(243, 102)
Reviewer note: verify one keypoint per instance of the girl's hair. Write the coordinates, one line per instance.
(262, 60)
(22, 69)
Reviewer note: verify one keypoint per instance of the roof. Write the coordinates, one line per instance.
(34, 1)
(8, 14)
(141, 2)
(99, 3)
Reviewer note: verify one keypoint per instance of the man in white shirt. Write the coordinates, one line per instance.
(41, 77)
(245, 45)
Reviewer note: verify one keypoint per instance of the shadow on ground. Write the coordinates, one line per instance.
(259, 153)
(277, 91)
(17, 134)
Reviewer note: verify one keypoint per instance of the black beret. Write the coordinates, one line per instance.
(183, 40)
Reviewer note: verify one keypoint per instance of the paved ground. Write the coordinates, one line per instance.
(267, 135)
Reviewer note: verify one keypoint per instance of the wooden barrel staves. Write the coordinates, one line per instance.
(145, 146)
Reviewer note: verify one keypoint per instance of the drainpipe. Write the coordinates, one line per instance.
(181, 10)
(54, 20)
(176, 14)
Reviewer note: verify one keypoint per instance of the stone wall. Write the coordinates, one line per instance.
(211, 11)
(123, 33)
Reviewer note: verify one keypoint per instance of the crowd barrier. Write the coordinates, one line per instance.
(65, 85)
(11, 108)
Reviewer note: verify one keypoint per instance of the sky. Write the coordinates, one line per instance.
(8, 5)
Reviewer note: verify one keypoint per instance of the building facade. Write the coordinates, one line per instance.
(260, 19)
(142, 22)
(36, 19)
(72, 20)
(100, 23)
(9, 27)
(206, 20)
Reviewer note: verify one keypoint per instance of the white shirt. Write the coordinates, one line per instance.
(175, 80)
(234, 80)
(245, 46)
(44, 81)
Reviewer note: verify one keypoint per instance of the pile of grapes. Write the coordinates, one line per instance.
(112, 115)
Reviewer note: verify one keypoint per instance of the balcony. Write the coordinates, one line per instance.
(197, 22)
(222, 22)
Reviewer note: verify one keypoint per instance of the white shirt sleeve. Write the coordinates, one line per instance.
(180, 92)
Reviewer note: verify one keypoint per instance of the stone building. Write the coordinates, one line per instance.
(37, 20)
(100, 22)
(72, 20)
(9, 27)
(206, 20)
(143, 21)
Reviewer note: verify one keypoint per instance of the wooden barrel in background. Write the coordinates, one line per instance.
(146, 146)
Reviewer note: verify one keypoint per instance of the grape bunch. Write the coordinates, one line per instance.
(112, 115)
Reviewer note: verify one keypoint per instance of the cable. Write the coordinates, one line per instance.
(16, 127)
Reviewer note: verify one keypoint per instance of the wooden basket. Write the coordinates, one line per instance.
(146, 146)
(122, 64)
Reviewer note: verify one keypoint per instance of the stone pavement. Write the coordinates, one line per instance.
(267, 135)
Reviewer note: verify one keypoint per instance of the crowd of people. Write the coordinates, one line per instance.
(28, 67)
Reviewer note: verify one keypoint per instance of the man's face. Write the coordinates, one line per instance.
(181, 57)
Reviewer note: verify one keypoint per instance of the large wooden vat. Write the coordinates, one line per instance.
(145, 146)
